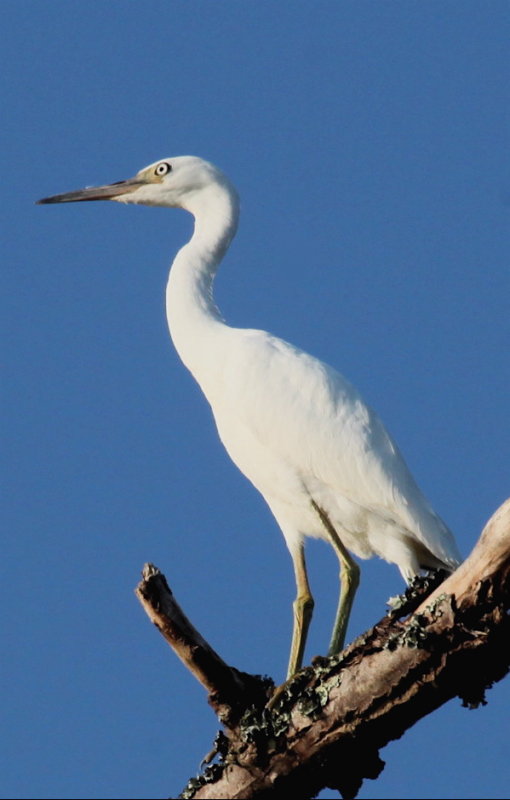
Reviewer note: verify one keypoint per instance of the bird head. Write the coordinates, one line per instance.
(172, 182)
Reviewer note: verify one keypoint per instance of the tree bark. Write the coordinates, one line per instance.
(325, 727)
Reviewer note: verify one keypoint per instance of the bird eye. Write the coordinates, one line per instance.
(162, 169)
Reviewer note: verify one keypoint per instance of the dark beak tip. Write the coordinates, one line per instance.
(44, 201)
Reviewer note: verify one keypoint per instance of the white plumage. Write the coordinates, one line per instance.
(294, 426)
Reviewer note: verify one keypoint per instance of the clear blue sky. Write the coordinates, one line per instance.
(367, 141)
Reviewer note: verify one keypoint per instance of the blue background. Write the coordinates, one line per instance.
(368, 143)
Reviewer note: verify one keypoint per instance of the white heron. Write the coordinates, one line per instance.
(296, 428)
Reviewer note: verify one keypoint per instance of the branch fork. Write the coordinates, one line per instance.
(325, 726)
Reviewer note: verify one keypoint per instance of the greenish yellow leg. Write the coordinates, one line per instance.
(303, 609)
(349, 582)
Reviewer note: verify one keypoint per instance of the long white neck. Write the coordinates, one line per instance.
(195, 323)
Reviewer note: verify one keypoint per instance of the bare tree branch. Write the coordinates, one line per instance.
(229, 690)
(326, 725)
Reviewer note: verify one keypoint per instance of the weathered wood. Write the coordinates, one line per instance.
(229, 689)
(328, 722)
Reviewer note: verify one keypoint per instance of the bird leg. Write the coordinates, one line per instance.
(349, 582)
(303, 609)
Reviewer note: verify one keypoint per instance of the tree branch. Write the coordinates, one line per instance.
(326, 725)
(229, 689)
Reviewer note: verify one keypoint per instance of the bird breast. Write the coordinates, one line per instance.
(297, 430)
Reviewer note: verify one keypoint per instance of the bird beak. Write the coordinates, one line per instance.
(108, 192)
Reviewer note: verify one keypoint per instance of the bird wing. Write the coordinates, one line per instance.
(278, 405)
